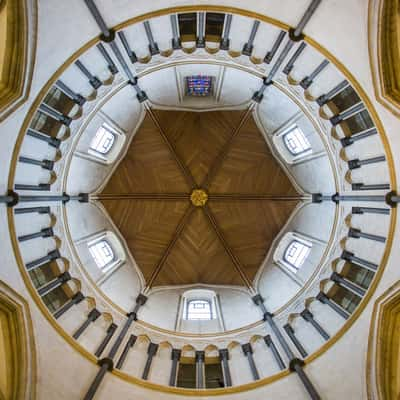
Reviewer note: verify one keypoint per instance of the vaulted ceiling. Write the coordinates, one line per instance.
(244, 197)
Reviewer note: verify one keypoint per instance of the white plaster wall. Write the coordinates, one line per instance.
(349, 44)
(236, 307)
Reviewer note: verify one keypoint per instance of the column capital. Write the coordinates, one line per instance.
(109, 38)
(295, 38)
(268, 340)
(106, 361)
(141, 299)
(94, 314)
(307, 315)
(258, 299)
(390, 199)
(200, 356)
(152, 349)
(335, 277)
(132, 315)
(65, 277)
(176, 354)
(322, 297)
(267, 316)
(288, 328)
(15, 198)
(78, 297)
(295, 362)
(223, 354)
(317, 198)
(247, 349)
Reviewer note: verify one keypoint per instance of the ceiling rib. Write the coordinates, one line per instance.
(235, 261)
(222, 155)
(257, 197)
(141, 196)
(185, 171)
(182, 223)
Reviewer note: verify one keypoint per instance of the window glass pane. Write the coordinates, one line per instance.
(58, 100)
(186, 376)
(296, 253)
(214, 26)
(55, 299)
(296, 142)
(45, 124)
(358, 275)
(199, 309)
(40, 276)
(199, 85)
(102, 253)
(187, 26)
(345, 99)
(103, 140)
(359, 122)
(213, 376)
(346, 299)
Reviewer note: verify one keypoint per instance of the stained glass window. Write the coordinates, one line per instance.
(199, 309)
(199, 85)
(103, 140)
(296, 142)
(296, 253)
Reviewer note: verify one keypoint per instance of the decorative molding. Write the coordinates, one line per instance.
(153, 386)
(18, 369)
(384, 51)
(383, 362)
(18, 21)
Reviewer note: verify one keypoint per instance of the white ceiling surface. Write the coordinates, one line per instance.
(231, 88)
(63, 28)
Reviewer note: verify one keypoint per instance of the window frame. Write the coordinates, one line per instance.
(211, 314)
(209, 89)
(305, 244)
(109, 130)
(304, 151)
(108, 264)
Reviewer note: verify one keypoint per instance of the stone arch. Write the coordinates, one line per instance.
(384, 48)
(17, 52)
(383, 363)
(17, 346)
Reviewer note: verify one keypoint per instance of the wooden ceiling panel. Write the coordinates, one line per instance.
(147, 227)
(198, 137)
(249, 167)
(148, 198)
(148, 166)
(249, 227)
(198, 257)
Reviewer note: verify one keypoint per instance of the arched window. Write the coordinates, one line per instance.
(199, 309)
(103, 141)
(102, 253)
(296, 253)
(296, 142)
